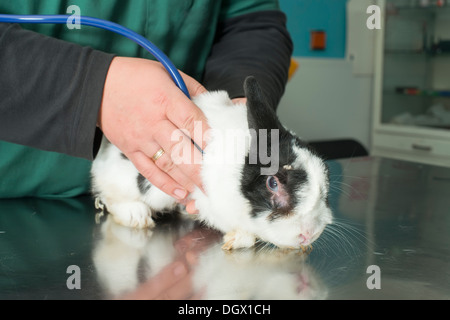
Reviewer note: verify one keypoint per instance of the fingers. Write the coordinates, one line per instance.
(186, 124)
(182, 290)
(190, 207)
(185, 115)
(157, 177)
(170, 162)
(194, 87)
(182, 161)
(172, 283)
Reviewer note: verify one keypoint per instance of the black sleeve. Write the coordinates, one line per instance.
(255, 44)
(50, 91)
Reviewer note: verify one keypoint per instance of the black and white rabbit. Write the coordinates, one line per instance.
(245, 199)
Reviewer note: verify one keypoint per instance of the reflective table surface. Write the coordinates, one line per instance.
(390, 240)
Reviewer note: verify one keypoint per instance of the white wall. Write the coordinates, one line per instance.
(324, 100)
(331, 99)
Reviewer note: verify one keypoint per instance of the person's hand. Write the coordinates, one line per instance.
(141, 110)
(174, 282)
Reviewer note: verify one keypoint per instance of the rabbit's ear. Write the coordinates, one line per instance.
(259, 113)
(265, 128)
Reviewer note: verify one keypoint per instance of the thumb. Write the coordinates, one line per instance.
(194, 87)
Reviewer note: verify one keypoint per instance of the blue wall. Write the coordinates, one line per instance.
(307, 15)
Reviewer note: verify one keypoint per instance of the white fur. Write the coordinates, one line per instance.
(114, 179)
(223, 207)
(311, 214)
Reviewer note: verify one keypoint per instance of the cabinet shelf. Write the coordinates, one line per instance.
(414, 92)
(430, 53)
(416, 6)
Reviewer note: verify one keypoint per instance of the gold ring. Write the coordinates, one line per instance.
(158, 154)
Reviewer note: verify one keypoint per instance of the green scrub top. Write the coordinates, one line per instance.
(183, 29)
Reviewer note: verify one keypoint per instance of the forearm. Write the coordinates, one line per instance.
(50, 91)
(255, 44)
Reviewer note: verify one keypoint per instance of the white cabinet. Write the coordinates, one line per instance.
(411, 118)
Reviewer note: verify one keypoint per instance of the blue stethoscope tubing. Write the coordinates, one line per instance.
(107, 25)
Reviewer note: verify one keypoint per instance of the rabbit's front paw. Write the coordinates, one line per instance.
(133, 214)
(238, 239)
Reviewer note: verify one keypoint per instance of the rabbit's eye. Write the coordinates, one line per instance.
(272, 183)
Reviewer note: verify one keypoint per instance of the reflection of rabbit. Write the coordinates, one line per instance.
(287, 207)
(121, 253)
(124, 257)
(117, 256)
(264, 274)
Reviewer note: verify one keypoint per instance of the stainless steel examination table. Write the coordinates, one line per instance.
(390, 241)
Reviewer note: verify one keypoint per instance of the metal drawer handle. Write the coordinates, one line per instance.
(421, 147)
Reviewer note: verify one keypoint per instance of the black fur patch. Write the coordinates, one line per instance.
(143, 184)
(292, 181)
(259, 115)
(253, 183)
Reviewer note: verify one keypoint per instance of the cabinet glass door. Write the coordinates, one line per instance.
(416, 71)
